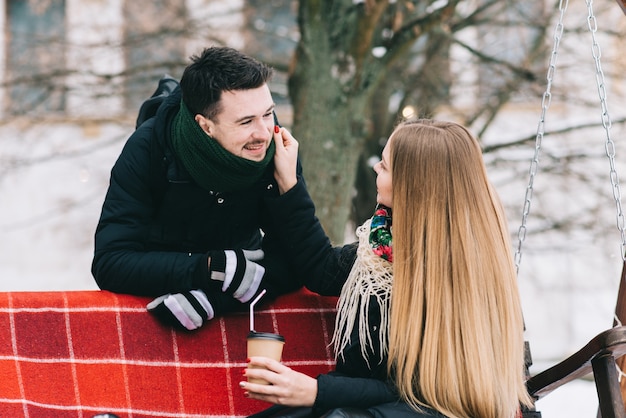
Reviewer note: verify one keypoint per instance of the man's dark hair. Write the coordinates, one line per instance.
(216, 70)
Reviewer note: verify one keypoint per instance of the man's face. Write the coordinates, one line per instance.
(245, 123)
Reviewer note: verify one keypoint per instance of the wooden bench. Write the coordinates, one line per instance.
(81, 353)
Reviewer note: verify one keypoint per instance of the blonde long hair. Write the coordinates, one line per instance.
(456, 339)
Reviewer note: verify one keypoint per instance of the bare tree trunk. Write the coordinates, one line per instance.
(332, 130)
(345, 51)
(331, 141)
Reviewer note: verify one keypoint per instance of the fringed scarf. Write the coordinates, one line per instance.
(371, 277)
(209, 164)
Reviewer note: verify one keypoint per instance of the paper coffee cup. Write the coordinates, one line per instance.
(264, 344)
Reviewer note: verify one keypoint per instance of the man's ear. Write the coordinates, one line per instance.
(205, 123)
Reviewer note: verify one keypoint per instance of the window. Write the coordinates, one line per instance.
(35, 56)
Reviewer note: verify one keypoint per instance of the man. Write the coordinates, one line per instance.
(183, 215)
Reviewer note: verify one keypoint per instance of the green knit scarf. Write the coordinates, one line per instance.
(209, 164)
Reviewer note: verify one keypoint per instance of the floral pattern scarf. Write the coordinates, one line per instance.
(380, 233)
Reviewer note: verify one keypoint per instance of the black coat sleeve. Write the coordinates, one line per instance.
(280, 275)
(335, 391)
(320, 266)
(121, 261)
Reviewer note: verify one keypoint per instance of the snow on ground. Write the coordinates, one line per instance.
(51, 192)
(575, 400)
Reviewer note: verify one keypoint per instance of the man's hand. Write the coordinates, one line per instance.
(285, 159)
(187, 309)
(237, 269)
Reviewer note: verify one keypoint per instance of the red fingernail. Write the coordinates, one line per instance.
(246, 394)
(243, 372)
(248, 360)
(276, 128)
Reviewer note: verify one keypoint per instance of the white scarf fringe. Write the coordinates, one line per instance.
(371, 276)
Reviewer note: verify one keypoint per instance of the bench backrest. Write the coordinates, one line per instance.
(79, 353)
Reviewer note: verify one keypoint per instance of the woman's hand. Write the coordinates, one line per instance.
(285, 159)
(287, 387)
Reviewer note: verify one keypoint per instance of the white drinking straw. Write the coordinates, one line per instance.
(252, 308)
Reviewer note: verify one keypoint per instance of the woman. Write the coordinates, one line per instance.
(429, 326)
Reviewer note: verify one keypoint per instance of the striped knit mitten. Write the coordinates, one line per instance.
(189, 310)
(237, 269)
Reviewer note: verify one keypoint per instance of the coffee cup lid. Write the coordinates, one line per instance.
(266, 335)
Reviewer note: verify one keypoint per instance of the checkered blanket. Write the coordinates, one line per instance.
(80, 353)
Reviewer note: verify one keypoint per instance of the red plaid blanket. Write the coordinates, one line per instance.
(80, 353)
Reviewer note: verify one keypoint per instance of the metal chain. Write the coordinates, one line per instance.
(545, 104)
(606, 123)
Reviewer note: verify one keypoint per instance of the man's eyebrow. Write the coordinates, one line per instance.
(269, 109)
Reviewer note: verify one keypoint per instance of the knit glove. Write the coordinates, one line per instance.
(237, 269)
(187, 309)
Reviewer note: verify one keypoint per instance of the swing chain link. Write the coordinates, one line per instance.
(545, 104)
(606, 123)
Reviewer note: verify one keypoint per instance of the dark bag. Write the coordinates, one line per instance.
(167, 84)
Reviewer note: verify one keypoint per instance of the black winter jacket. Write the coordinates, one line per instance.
(157, 225)
(325, 269)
